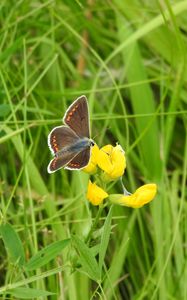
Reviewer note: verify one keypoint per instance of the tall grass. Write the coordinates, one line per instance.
(129, 59)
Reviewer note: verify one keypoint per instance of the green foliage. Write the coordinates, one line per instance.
(13, 244)
(4, 110)
(105, 238)
(45, 255)
(87, 259)
(27, 293)
(129, 59)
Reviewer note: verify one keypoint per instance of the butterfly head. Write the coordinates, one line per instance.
(92, 143)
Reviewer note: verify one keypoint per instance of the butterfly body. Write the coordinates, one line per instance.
(78, 146)
(70, 143)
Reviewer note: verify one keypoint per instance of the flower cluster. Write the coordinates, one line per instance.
(109, 164)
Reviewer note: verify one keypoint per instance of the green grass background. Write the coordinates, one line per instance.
(129, 59)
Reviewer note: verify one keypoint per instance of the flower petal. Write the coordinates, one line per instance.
(146, 193)
(95, 194)
(119, 162)
(142, 196)
(104, 158)
(92, 165)
(112, 161)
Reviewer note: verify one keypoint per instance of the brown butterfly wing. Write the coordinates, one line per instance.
(60, 137)
(59, 162)
(77, 117)
(79, 161)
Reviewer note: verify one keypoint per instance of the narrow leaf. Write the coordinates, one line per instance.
(105, 238)
(46, 254)
(7, 53)
(28, 293)
(13, 244)
(37, 181)
(4, 110)
(87, 259)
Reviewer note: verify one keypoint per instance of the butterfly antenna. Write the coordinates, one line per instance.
(99, 133)
(95, 136)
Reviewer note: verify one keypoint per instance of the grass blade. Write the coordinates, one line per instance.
(105, 238)
(46, 254)
(13, 244)
(143, 102)
(28, 293)
(87, 259)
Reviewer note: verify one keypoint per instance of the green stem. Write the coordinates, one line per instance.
(125, 192)
(94, 225)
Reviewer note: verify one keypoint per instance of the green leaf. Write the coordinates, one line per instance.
(28, 293)
(46, 254)
(37, 181)
(13, 244)
(105, 238)
(147, 128)
(4, 110)
(87, 259)
(6, 54)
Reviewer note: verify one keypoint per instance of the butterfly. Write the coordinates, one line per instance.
(70, 143)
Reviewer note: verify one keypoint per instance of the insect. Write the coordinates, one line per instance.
(70, 143)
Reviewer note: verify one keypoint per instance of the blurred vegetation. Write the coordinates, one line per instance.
(129, 59)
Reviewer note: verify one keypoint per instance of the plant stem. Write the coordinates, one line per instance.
(94, 223)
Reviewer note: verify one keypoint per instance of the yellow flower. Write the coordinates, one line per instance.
(112, 161)
(95, 194)
(92, 165)
(142, 195)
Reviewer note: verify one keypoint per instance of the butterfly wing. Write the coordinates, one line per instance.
(77, 117)
(77, 121)
(59, 162)
(79, 161)
(60, 137)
